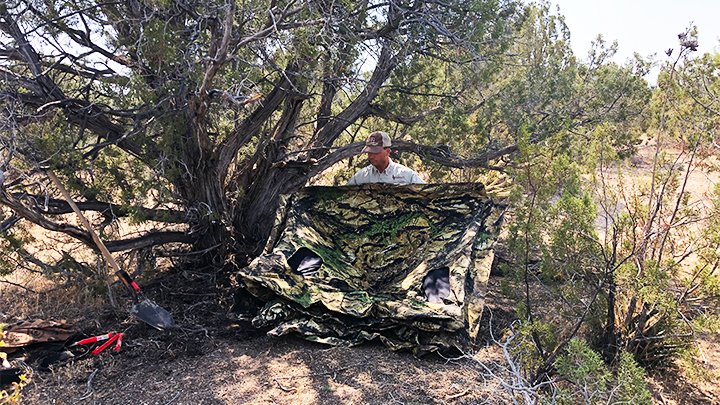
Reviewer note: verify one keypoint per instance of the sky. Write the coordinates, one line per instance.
(643, 26)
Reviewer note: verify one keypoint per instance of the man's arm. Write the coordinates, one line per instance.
(357, 178)
(415, 178)
(410, 175)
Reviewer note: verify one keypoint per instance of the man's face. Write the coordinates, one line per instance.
(379, 159)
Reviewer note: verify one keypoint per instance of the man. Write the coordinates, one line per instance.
(382, 169)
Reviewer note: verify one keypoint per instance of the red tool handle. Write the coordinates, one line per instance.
(106, 344)
(94, 339)
(118, 345)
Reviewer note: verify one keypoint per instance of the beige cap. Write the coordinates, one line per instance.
(376, 142)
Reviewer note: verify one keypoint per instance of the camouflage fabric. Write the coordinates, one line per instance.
(26, 333)
(378, 244)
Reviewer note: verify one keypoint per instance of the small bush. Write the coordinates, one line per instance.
(594, 383)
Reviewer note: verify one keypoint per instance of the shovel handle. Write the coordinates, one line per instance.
(129, 283)
(124, 277)
(96, 238)
(105, 252)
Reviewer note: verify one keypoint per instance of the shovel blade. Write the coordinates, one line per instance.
(152, 314)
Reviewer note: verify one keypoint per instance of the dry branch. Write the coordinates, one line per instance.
(89, 390)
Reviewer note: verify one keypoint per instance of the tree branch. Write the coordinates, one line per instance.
(153, 238)
(8, 76)
(49, 88)
(360, 106)
(79, 112)
(8, 223)
(376, 111)
(249, 128)
(58, 207)
(437, 153)
(36, 217)
(221, 55)
(442, 154)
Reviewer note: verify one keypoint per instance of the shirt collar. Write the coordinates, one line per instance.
(390, 163)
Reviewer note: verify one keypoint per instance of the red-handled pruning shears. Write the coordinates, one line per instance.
(111, 338)
(93, 339)
(115, 338)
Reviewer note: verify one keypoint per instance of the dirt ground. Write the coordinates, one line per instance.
(212, 360)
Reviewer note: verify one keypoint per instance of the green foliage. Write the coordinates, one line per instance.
(594, 383)
(584, 367)
(631, 382)
(13, 252)
(601, 250)
(534, 335)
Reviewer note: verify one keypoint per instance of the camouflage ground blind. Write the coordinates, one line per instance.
(379, 245)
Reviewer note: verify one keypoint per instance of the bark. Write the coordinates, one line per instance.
(266, 181)
(609, 339)
(59, 207)
(359, 107)
(148, 240)
(36, 217)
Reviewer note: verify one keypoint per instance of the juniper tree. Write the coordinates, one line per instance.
(200, 114)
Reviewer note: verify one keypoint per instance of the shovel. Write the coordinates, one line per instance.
(142, 308)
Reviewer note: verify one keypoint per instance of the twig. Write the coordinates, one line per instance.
(199, 252)
(31, 290)
(191, 294)
(395, 400)
(193, 306)
(283, 388)
(458, 395)
(89, 390)
(26, 369)
(195, 330)
(333, 373)
(173, 399)
(196, 304)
